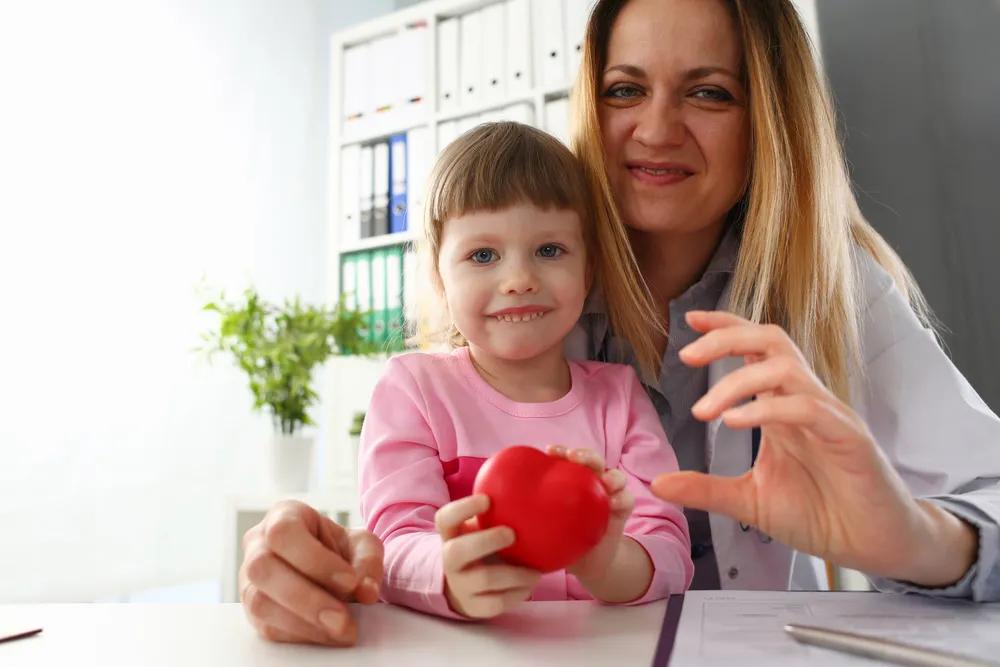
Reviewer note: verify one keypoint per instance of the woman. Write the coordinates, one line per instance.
(705, 126)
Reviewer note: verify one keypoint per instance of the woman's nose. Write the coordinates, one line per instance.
(660, 124)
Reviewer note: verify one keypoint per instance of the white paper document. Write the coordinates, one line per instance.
(723, 627)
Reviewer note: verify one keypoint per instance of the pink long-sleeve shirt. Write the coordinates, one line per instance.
(433, 421)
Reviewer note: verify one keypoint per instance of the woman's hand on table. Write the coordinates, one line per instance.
(820, 484)
(300, 569)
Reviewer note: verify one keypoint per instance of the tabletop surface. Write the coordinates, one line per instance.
(550, 633)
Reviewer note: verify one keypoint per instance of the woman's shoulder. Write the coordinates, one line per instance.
(885, 314)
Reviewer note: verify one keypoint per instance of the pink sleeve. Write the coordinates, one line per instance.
(402, 486)
(659, 527)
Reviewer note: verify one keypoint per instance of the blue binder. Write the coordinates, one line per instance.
(397, 183)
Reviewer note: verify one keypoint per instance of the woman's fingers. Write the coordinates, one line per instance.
(460, 552)
(279, 582)
(825, 418)
(275, 623)
(367, 557)
(449, 519)
(733, 496)
(291, 533)
(739, 338)
(781, 374)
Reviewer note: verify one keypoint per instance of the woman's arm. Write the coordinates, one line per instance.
(941, 437)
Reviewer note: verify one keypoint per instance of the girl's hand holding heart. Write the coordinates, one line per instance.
(595, 569)
(476, 584)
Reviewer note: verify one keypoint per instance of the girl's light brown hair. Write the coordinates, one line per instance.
(800, 221)
(499, 165)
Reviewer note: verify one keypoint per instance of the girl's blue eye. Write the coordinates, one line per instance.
(549, 251)
(483, 256)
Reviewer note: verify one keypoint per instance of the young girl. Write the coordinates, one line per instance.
(511, 240)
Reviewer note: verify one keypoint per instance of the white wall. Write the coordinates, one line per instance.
(144, 145)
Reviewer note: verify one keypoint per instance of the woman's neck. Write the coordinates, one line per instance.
(540, 379)
(671, 262)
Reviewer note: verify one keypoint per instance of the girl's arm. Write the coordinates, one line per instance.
(402, 487)
(653, 556)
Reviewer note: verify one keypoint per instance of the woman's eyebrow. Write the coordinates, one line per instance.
(630, 70)
(702, 72)
(695, 73)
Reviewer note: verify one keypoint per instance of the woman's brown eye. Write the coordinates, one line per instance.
(622, 92)
(713, 95)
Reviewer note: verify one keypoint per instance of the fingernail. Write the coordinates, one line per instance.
(370, 583)
(333, 621)
(345, 580)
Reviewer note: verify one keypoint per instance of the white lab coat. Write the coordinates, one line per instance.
(936, 431)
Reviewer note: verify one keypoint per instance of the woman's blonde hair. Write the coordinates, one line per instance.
(800, 221)
(498, 165)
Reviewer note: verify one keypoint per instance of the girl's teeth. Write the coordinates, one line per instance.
(661, 172)
(519, 318)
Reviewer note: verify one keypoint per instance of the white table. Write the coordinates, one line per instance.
(537, 633)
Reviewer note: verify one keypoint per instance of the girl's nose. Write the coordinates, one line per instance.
(519, 280)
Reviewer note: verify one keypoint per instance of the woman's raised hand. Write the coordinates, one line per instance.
(820, 484)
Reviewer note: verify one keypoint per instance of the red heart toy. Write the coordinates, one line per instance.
(558, 509)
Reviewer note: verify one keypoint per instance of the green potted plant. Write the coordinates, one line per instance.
(357, 422)
(278, 347)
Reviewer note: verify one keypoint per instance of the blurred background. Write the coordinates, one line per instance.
(150, 146)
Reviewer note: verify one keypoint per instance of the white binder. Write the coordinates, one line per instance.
(467, 123)
(470, 69)
(411, 64)
(493, 116)
(575, 14)
(384, 82)
(446, 133)
(350, 197)
(447, 64)
(520, 113)
(493, 18)
(549, 35)
(557, 119)
(517, 48)
(356, 110)
(418, 164)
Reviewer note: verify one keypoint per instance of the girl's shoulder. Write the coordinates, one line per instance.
(422, 365)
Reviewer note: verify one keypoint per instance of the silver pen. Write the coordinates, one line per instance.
(881, 649)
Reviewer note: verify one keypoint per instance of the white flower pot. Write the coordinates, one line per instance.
(290, 461)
